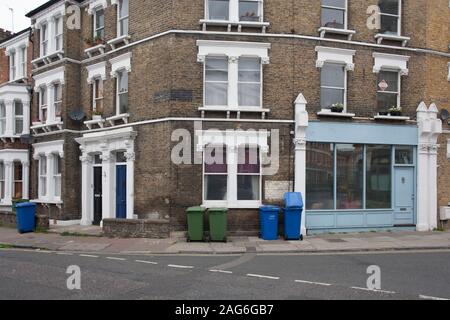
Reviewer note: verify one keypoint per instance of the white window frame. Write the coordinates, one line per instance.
(337, 8)
(399, 17)
(209, 81)
(120, 73)
(234, 15)
(23, 61)
(58, 37)
(43, 104)
(399, 87)
(94, 90)
(12, 65)
(42, 177)
(57, 176)
(120, 19)
(18, 117)
(44, 39)
(15, 181)
(345, 88)
(56, 103)
(94, 21)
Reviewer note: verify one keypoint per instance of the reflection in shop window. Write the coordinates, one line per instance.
(349, 176)
(378, 181)
(404, 155)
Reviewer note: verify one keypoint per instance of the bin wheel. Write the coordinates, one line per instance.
(301, 237)
(225, 239)
(188, 239)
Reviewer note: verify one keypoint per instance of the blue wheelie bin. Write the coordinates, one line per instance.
(268, 217)
(26, 217)
(293, 215)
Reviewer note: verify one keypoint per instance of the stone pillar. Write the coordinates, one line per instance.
(26, 117)
(301, 123)
(109, 197)
(430, 127)
(86, 190)
(50, 108)
(9, 181)
(25, 179)
(233, 91)
(131, 157)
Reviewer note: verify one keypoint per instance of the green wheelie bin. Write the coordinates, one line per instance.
(195, 224)
(218, 224)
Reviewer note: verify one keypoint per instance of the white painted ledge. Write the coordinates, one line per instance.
(329, 113)
(44, 201)
(48, 58)
(92, 50)
(324, 30)
(239, 24)
(95, 122)
(392, 118)
(124, 117)
(238, 110)
(381, 36)
(122, 39)
(46, 127)
(445, 213)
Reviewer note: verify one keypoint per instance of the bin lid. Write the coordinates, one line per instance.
(217, 210)
(196, 209)
(25, 204)
(269, 208)
(293, 200)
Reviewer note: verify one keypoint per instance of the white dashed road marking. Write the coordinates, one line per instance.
(180, 267)
(115, 258)
(262, 276)
(373, 290)
(88, 256)
(64, 254)
(148, 262)
(315, 283)
(431, 298)
(221, 271)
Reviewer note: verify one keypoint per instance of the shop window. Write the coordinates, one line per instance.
(349, 176)
(378, 177)
(404, 155)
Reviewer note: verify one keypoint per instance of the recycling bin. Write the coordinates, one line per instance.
(293, 215)
(218, 224)
(16, 202)
(268, 216)
(26, 217)
(195, 223)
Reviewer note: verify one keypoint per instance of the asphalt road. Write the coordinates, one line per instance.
(42, 275)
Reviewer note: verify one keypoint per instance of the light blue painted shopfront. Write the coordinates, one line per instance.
(360, 177)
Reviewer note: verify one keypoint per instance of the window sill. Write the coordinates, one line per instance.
(324, 30)
(380, 37)
(122, 39)
(328, 113)
(392, 118)
(58, 203)
(99, 122)
(237, 110)
(239, 24)
(48, 58)
(12, 138)
(92, 50)
(123, 117)
(46, 127)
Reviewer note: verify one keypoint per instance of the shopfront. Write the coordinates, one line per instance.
(360, 177)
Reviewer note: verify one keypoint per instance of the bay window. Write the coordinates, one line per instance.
(388, 94)
(18, 117)
(42, 176)
(249, 82)
(99, 23)
(216, 81)
(2, 118)
(97, 96)
(57, 99)
(122, 92)
(12, 66)
(334, 14)
(43, 104)
(390, 15)
(123, 17)
(18, 182)
(333, 83)
(23, 62)
(44, 39)
(58, 31)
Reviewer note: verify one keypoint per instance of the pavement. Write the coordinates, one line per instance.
(89, 239)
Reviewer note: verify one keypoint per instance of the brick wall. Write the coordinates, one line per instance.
(144, 228)
(8, 219)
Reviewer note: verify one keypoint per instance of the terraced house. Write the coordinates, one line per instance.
(338, 99)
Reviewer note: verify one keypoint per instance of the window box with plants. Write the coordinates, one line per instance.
(337, 107)
(393, 113)
(97, 115)
(96, 44)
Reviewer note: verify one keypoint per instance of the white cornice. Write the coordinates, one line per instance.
(336, 55)
(384, 61)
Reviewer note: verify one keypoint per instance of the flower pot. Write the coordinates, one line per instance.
(384, 113)
(396, 114)
(338, 110)
(97, 117)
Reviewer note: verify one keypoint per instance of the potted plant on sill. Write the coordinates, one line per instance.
(97, 115)
(98, 41)
(395, 111)
(337, 107)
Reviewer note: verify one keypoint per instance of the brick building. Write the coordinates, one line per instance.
(15, 86)
(144, 108)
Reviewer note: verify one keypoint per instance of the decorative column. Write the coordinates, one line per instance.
(50, 172)
(301, 123)
(50, 108)
(9, 180)
(430, 127)
(25, 179)
(108, 183)
(131, 157)
(233, 72)
(86, 190)
(9, 110)
(26, 117)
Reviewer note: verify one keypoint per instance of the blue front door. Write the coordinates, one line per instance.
(404, 198)
(121, 191)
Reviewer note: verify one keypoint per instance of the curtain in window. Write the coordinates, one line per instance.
(216, 173)
(249, 82)
(248, 171)
(332, 85)
(216, 81)
(218, 9)
(17, 180)
(18, 117)
(333, 13)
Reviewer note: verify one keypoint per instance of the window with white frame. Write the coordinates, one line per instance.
(18, 180)
(43, 110)
(57, 175)
(334, 14)
(248, 174)
(390, 15)
(57, 99)
(388, 93)
(249, 82)
(123, 17)
(12, 66)
(218, 10)
(216, 81)
(250, 10)
(2, 118)
(23, 62)
(18, 117)
(333, 85)
(2, 180)
(122, 91)
(42, 176)
(97, 96)
(58, 30)
(215, 173)
(44, 39)
(99, 23)
(234, 10)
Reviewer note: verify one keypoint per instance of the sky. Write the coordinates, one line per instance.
(20, 7)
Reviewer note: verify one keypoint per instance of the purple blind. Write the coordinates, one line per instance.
(248, 160)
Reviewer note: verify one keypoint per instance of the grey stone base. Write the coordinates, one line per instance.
(134, 228)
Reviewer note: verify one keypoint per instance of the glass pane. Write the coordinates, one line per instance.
(389, 6)
(389, 78)
(43, 166)
(43, 96)
(123, 11)
(216, 187)
(319, 176)
(2, 171)
(57, 186)
(18, 126)
(2, 110)
(216, 160)
(218, 9)
(404, 155)
(124, 27)
(97, 159)
(378, 183)
(216, 69)
(249, 70)
(43, 186)
(333, 75)
(120, 157)
(216, 94)
(17, 171)
(250, 95)
(331, 96)
(248, 160)
(249, 11)
(386, 101)
(57, 92)
(333, 18)
(248, 187)
(349, 185)
(123, 81)
(57, 165)
(17, 190)
(334, 3)
(18, 108)
(99, 19)
(123, 103)
(98, 88)
(389, 25)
